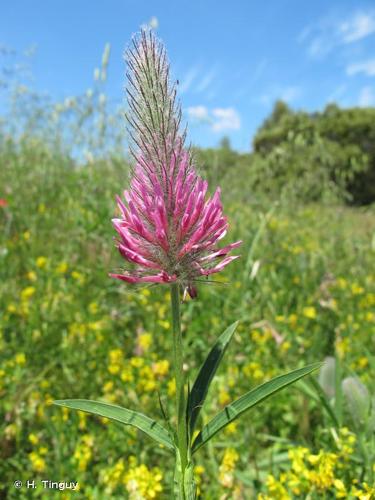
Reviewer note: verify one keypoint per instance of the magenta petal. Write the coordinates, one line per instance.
(166, 219)
(219, 267)
(221, 252)
(124, 277)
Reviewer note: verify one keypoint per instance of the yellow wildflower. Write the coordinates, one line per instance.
(41, 208)
(346, 443)
(172, 387)
(11, 308)
(112, 476)
(324, 464)
(38, 463)
(20, 358)
(285, 346)
(147, 381)
(62, 268)
(28, 292)
(79, 277)
(297, 456)
(137, 362)
(231, 428)
(362, 362)
(108, 386)
(83, 453)
(82, 416)
(342, 283)
(226, 476)
(309, 312)
(145, 341)
(356, 289)
(33, 438)
(164, 324)
(224, 397)
(199, 470)
(292, 320)
(31, 276)
(115, 360)
(142, 482)
(41, 262)
(277, 490)
(253, 370)
(93, 308)
(126, 374)
(340, 488)
(161, 367)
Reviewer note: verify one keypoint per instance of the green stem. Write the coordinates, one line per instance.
(338, 389)
(179, 377)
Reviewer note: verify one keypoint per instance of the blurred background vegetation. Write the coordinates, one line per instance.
(326, 156)
(301, 200)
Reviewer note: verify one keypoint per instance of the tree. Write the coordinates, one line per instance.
(315, 153)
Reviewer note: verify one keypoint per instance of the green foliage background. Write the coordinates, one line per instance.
(304, 289)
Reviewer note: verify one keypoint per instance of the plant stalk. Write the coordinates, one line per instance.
(180, 388)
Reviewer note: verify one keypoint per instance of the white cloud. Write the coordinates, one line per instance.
(288, 94)
(259, 70)
(219, 118)
(360, 26)
(188, 80)
(153, 23)
(226, 119)
(304, 34)
(206, 81)
(199, 113)
(366, 97)
(337, 93)
(331, 32)
(365, 67)
(320, 46)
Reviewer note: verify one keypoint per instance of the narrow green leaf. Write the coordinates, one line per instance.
(247, 401)
(319, 396)
(206, 373)
(129, 417)
(338, 390)
(307, 391)
(256, 239)
(171, 431)
(325, 401)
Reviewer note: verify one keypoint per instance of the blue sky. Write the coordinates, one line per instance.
(233, 59)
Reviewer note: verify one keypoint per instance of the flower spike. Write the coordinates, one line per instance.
(169, 228)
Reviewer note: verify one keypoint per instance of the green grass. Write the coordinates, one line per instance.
(67, 330)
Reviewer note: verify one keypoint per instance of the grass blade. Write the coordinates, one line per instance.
(249, 400)
(325, 402)
(128, 417)
(206, 373)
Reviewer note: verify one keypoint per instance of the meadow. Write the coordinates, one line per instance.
(303, 291)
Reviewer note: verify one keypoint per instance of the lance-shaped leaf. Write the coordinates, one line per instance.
(249, 400)
(123, 415)
(200, 388)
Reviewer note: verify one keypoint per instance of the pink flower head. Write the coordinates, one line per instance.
(169, 229)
